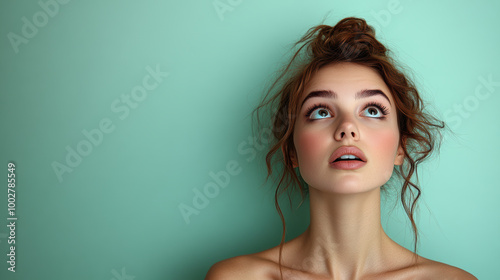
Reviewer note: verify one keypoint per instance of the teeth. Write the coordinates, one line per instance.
(349, 157)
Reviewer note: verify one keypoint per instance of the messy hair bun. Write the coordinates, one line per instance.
(350, 40)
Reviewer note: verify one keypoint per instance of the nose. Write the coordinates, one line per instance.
(347, 130)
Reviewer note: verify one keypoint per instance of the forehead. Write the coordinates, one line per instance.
(346, 78)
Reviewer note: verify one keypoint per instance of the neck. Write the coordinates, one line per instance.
(345, 238)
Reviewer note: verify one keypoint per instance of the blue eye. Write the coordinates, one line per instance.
(319, 111)
(323, 113)
(373, 112)
(376, 110)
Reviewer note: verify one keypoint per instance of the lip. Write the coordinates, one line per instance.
(348, 164)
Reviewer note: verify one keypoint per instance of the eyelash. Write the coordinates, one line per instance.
(377, 105)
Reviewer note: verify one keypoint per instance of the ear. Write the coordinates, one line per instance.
(292, 156)
(400, 156)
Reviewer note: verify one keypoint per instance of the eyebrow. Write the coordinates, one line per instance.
(360, 94)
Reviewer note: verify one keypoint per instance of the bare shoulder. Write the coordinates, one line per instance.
(247, 267)
(439, 270)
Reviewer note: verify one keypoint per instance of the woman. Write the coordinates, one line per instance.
(345, 119)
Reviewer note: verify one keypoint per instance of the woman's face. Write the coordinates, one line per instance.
(346, 104)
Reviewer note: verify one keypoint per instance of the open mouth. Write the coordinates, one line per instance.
(347, 158)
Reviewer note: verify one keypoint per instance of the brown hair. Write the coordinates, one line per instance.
(350, 40)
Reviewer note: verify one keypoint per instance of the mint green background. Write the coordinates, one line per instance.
(119, 207)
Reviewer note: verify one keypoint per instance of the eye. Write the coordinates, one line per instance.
(319, 111)
(375, 110)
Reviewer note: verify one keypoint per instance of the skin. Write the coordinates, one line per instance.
(345, 238)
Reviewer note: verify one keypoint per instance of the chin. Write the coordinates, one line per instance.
(347, 186)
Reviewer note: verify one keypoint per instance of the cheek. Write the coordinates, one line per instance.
(385, 144)
(384, 148)
(309, 145)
